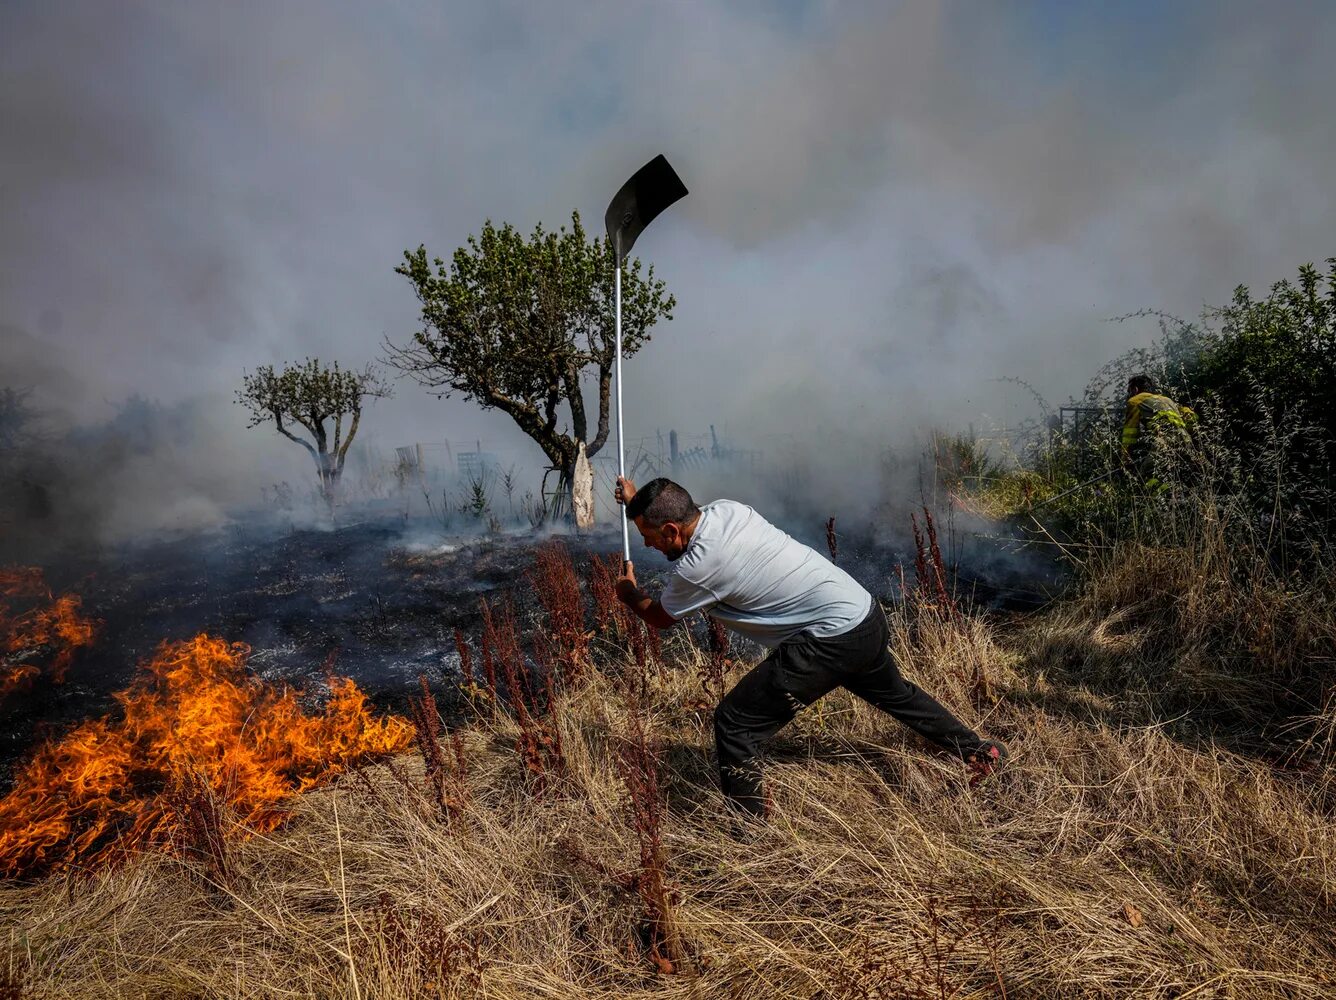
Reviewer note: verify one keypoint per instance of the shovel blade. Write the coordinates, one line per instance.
(650, 190)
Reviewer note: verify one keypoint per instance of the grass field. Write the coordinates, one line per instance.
(1164, 829)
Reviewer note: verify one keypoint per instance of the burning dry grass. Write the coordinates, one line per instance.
(198, 744)
(1115, 857)
(37, 629)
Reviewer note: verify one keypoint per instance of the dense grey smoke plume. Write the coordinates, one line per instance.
(892, 205)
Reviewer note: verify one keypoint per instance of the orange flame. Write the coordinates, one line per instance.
(58, 629)
(193, 719)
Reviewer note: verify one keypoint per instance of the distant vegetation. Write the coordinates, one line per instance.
(322, 400)
(1261, 375)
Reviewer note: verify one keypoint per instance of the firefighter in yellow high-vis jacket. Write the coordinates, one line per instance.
(1157, 433)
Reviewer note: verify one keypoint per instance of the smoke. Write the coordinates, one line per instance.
(892, 205)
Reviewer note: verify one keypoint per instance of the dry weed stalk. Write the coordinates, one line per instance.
(419, 953)
(461, 761)
(557, 588)
(639, 759)
(488, 662)
(713, 671)
(654, 642)
(447, 779)
(465, 658)
(426, 736)
(608, 611)
(636, 633)
(887, 970)
(201, 833)
(483, 699)
(930, 572)
(539, 740)
(621, 626)
(832, 542)
(418, 794)
(935, 604)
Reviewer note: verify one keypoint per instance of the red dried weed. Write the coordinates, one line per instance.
(639, 758)
(557, 588)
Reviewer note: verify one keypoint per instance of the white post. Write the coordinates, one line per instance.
(621, 449)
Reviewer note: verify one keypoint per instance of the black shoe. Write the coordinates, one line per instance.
(744, 825)
(985, 760)
(746, 831)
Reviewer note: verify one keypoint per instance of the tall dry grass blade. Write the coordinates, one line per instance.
(343, 900)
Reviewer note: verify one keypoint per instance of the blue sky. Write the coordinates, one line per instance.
(892, 205)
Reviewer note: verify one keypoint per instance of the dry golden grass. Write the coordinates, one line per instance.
(1124, 852)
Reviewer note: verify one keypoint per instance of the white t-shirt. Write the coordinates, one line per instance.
(759, 581)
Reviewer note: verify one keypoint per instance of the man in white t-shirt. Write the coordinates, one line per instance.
(823, 628)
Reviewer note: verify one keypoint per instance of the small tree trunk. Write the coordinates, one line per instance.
(329, 480)
(564, 454)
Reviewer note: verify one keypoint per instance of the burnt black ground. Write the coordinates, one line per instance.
(379, 594)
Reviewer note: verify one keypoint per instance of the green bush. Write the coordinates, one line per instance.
(1261, 374)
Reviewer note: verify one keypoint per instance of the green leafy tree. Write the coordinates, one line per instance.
(1274, 358)
(1255, 363)
(520, 325)
(1267, 371)
(309, 396)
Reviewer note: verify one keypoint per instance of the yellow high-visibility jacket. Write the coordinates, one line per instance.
(1150, 416)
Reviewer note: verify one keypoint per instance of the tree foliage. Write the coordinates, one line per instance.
(1261, 374)
(518, 324)
(1273, 361)
(308, 396)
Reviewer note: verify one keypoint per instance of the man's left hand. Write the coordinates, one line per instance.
(626, 587)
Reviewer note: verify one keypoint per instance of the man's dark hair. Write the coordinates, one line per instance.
(660, 501)
(1142, 383)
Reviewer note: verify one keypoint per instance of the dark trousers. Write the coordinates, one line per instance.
(798, 672)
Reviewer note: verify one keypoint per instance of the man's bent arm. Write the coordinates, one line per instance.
(645, 607)
(649, 610)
